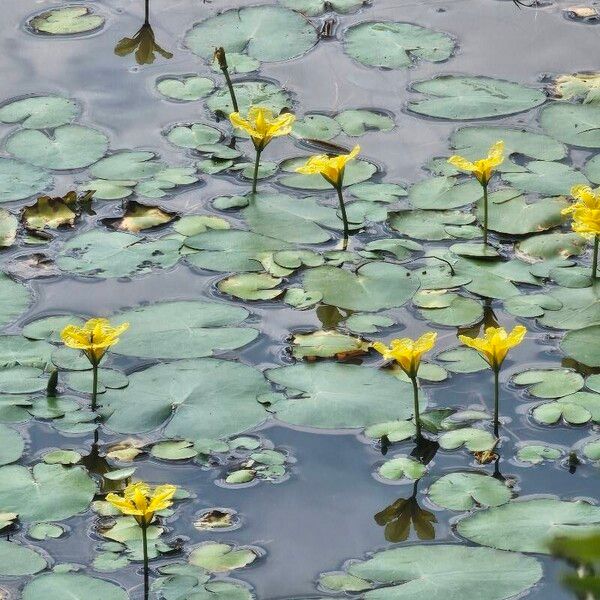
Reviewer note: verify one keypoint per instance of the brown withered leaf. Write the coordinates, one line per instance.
(55, 212)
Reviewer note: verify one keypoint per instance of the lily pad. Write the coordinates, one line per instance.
(373, 287)
(17, 560)
(67, 20)
(529, 525)
(267, 33)
(550, 383)
(580, 309)
(459, 98)
(248, 93)
(40, 112)
(205, 398)
(475, 440)
(394, 45)
(11, 445)
(463, 491)
(316, 127)
(575, 124)
(582, 345)
(46, 492)
(402, 467)
(75, 586)
(220, 558)
(116, 254)
(331, 395)
(67, 147)
(545, 177)
(127, 164)
(194, 136)
(14, 299)
(358, 122)
(431, 225)
(326, 344)
(186, 89)
(444, 192)
(18, 180)
(453, 571)
(251, 286)
(536, 453)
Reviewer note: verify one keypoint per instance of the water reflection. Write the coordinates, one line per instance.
(143, 42)
(405, 513)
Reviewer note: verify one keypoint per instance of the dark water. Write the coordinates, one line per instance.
(322, 514)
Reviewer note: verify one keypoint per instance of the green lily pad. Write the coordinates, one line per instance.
(314, 8)
(75, 586)
(17, 560)
(459, 98)
(194, 136)
(580, 309)
(99, 253)
(440, 193)
(22, 380)
(109, 190)
(174, 450)
(552, 245)
(11, 445)
(316, 127)
(61, 457)
(475, 440)
(46, 492)
(582, 345)
(220, 558)
(249, 93)
(396, 431)
(81, 381)
(394, 45)
(357, 122)
(537, 453)
(45, 531)
(545, 177)
(342, 582)
(332, 395)
(326, 344)
(240, 476)
(367, 323)
(529, 525)
(431, 225)
(463, 491)
(531, 305)
(251, 286)
(402, 467)
(186, 88)
(460, 311)
(592, 450)
(373, 287)
(127, 165)
(40, 112)
(205, 398)
(67, 147)
(550, 383)
(18, 180)
(377, 192)
(231, 250)
(182, 330)
(267, 33)
(453, 571)
(575, 124)
(19, 351)
(474, 142)
(66, 20)
(237, 63)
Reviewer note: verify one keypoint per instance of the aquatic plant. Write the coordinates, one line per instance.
(332, 169)
(407, 353)
(94, 337)
(493, 347)
(482, 170)
(141, 502)
(586, 218)
(221, 59)
(262, 126)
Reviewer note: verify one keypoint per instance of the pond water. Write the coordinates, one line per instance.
(318, 510)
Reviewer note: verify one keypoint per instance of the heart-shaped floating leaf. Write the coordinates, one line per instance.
(46, 492)
(139, 216)
(545, 177)
(267, 33)
(127, 165)
(316, 127)
(220, 558)
(402, 467)
(550, 383)
(205, 398)
(583, 345)
(463, 491)
(330, 395)
(67, 20)
(187, 88)
(67, 147)
(460, 98)
(529, 525)
(537, 453)
(475, 440)
(395, 45)
(575, 124)
(11, 445)
(444, 192)
(373, 287)
(327, 343)
(19, 180)
(248, 93)
(75, 586)
(358, 122)
(17, 560)
(433, 225)
(251, 286)
(40, 112)
(453, 571)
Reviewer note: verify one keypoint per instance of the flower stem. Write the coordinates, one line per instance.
(496, 401)
(415, 385)
(145, 550)
(595, 256)
(344, 215)
(94, 384)
(147, 12)
(485, 214)
(230, 88)
(256, 166)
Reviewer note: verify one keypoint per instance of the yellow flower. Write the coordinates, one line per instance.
(262, 126)
(406, 352)
(495, 344)
(482, 169)
(141, 503)
(95, 337)
(330, 167)
(586, 211)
